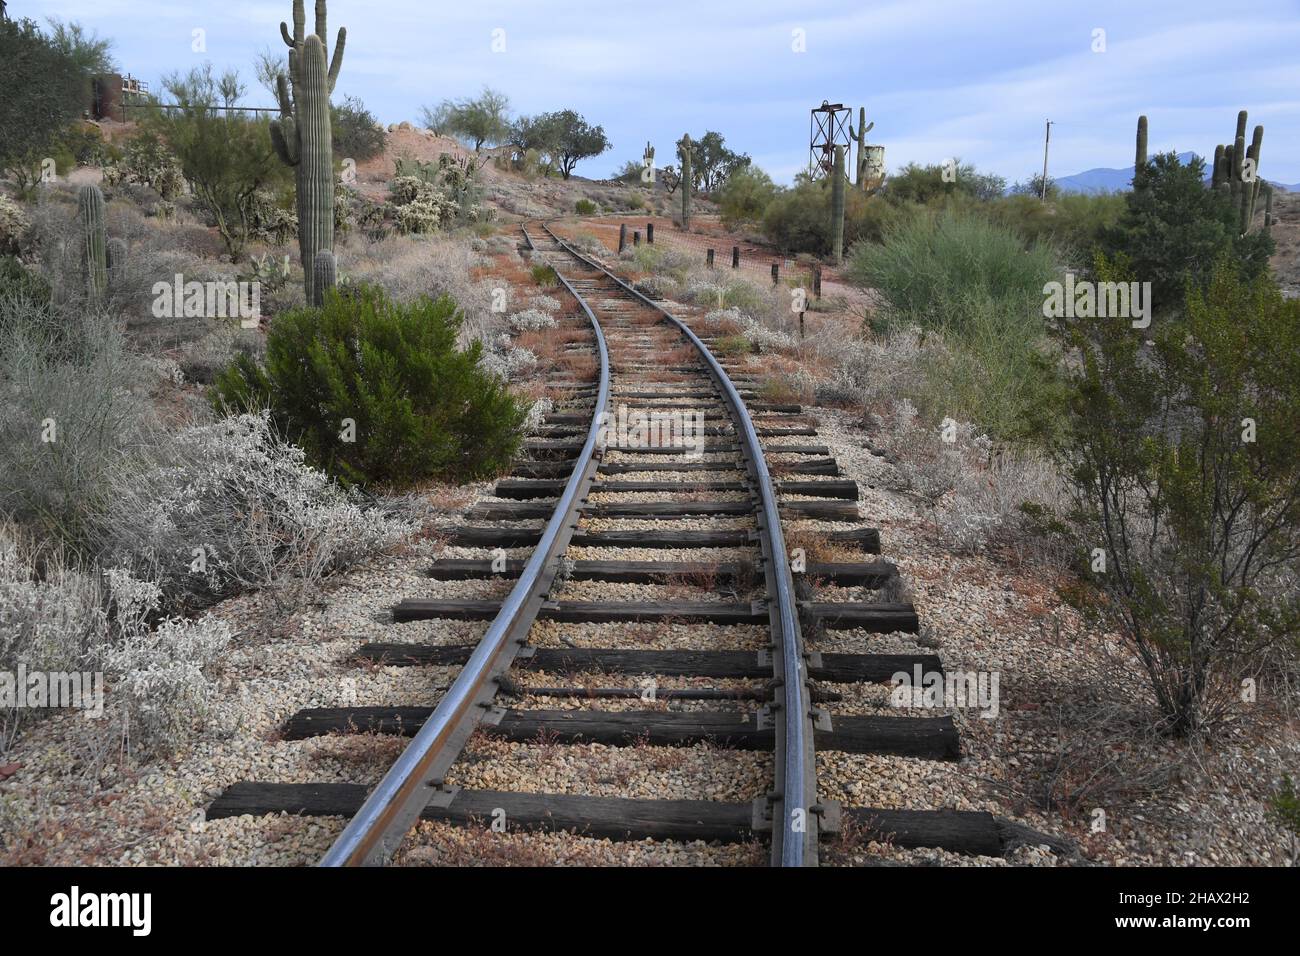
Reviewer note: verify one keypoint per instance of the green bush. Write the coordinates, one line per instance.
(1174, 230)
(974, 283)
(928, 185)
(585, 207)
(1073, 223)
(799, 219)
(930, 265)
(19, 281)
(376, 391)
(1184, 467)
(745, 196)
(545, 276)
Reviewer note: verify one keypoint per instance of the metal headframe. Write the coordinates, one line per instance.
(827, 128)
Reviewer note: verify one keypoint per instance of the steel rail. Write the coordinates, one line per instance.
(414, 780)
(794, 841)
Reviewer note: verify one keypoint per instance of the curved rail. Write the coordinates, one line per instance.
(794, 842)
(415, 779)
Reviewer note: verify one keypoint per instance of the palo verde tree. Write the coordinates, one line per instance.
(224, 157)
(1185, 471)
(481, 120)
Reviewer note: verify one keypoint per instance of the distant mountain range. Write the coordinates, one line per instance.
(1102, 180)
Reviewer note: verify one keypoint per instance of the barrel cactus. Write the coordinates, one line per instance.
(302, 135)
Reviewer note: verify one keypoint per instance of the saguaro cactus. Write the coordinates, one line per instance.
(1140, 155)
(837, 206)
(324, 275)
(94, 246)
(860, 135)
(302, 135)
(686, 182)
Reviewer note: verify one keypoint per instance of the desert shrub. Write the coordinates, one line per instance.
(51, 612)
(1185, 479)
(584, 207)
(508, 364)
(213, 510)
(928, 265)
(17, 281)
(14, 226)
(74, 402)
(531, 320)
(418, 407)
(745, 196)
(1073, 223)
(544, 276)
(935, 184)
(162, 677)
(798, 219)
(545, 303)
(973, 283)
(434, 266)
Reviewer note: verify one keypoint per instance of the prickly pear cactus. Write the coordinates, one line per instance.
(302, 135)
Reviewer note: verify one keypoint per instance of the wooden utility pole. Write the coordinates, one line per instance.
(1046, 141)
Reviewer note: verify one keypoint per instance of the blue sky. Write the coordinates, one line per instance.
(939, 78)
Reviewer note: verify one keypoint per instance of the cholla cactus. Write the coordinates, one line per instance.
(302, 135)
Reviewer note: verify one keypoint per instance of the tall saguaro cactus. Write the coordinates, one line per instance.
(686, 182)
(1140, 154)
(837, 206)
(302, 135)
(94, 245)
(860, 135)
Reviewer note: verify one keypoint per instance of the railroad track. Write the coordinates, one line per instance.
(719, 649)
